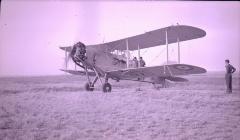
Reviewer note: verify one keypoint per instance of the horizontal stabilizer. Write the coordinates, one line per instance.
(176, 79)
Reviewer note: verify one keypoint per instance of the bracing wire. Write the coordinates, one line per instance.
(159, 54)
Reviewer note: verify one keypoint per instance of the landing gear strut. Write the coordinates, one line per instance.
(90, 85)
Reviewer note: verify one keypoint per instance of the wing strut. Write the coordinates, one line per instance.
(178, 42)
(127, 53)
(178, 50)
(139, 55)
(167, 44)
(66, 59)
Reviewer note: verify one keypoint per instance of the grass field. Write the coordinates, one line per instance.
(58, 108)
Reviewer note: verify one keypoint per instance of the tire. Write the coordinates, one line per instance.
(89, 87)
(107, 87)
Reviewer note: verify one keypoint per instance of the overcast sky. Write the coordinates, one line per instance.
(32, 31)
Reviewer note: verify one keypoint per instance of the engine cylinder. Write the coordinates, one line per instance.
(78, 52)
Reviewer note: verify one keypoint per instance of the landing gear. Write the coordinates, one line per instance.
(107, 87)
(89, 86)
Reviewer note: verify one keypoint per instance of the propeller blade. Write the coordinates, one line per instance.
(69, 56)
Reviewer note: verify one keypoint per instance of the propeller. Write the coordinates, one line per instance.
(69, 56)
(72, 52)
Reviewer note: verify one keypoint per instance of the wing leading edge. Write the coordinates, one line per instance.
(77, 72)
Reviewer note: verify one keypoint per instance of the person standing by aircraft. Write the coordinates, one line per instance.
(228, 76)
(135, 62)
(142, 62)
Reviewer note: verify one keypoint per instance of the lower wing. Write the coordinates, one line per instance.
(77, 72)
(165, 71)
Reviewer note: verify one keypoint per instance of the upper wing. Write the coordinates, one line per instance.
(155, 38)
(160, 71)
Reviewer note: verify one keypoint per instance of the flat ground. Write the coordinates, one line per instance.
(58, 107)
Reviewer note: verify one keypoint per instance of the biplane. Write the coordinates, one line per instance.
(112, 60)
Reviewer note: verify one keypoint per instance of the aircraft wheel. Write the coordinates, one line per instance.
(89, 87)
(107, 87)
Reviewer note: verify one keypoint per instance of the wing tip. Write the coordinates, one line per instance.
(201, 70)
(199, 32)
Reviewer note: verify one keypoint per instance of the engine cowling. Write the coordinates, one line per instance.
(78, 52)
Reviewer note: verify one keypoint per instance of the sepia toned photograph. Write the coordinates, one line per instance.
(119, 70)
